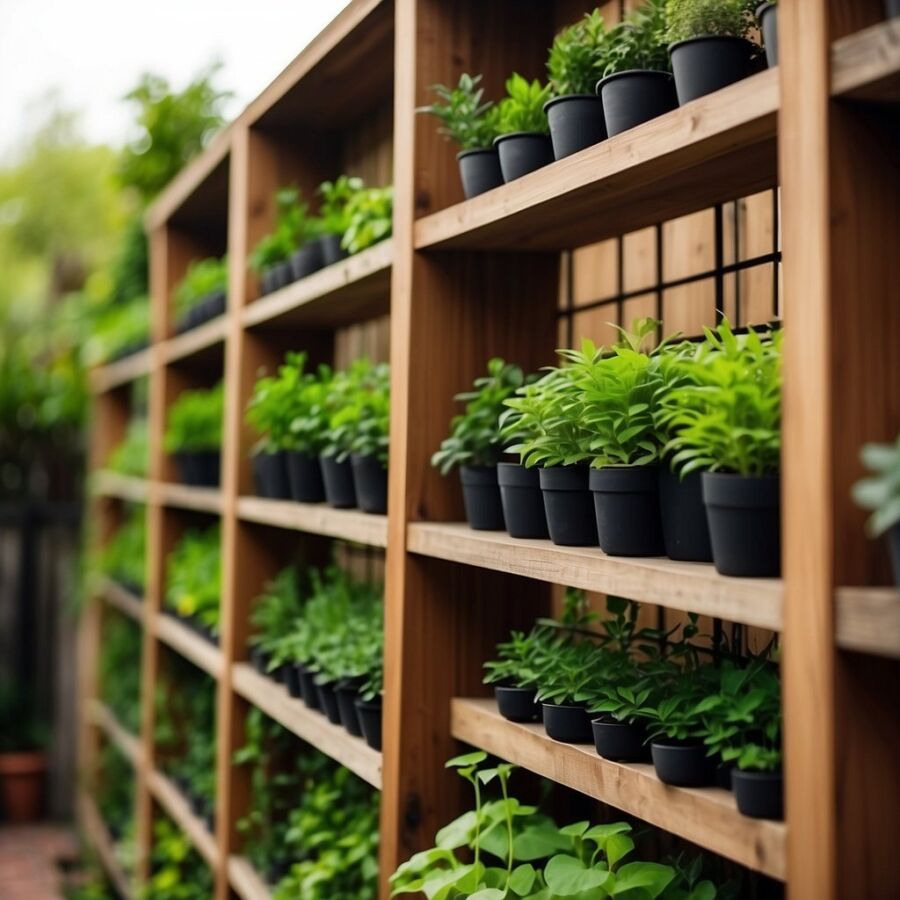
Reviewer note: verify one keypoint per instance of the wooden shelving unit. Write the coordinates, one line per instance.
(97, 834)
(617, 230)
(128, 744)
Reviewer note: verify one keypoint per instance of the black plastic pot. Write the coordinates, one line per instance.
(307, 686)
(337, 478)
(567, 724)
(522, 500)
(330, 249)
(683, 515)
(268, 279)
(210, 307)
(271, 475)
(346, 693)
(522, 152)
(370, 482)
(291, 678)
(683, 765)
(767, 16)
(626, 503)
(744, 515)
(130, 349)
(893, 538)
(199, 468)
(370, 721)
(328, 701)
(283, 274)
(705, 64)
(259, 660)
(723, 775)
(481, 497)
(278, 869)
(517, 704)
(479, 171)
(576, 121)
(569, 506)
(619, 741)
(306, 259)
(759, 795)
(280, 674)
(635, 96)
(304, 477)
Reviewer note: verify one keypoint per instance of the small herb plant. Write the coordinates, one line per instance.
(132, 456)
(575, 64)
(880, 492)
(120, 671)
(177, 871)
(336, 197)
(195, 421)
(203, 278)
(359, 411)
(475, 437)
(522, 109)
(638, 41)
(123, 557)
(294, 227)
(466, 118)
(696, 18)
(193, 577)
(277, 610)
(370, 218)
(120, 328)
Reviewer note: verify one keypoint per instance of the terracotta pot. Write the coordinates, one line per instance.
(22, 777)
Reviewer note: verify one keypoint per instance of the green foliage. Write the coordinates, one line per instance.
(475, 437)
(880, 493)
(294, 227)
(178, 872)
(358, 404)
(726, 416)
(638, 41)
(466, 119)
(194, 577)
(575, 64)
(21, 728)
(277, 609)
(120, 671)
(114, 790)
(334, 210)
(203, 278)
(370, 218)
(123, 557)
(195, 421)
(696, 18)
(522, 109)
(118, 329)
(129, 270)
(132, 455)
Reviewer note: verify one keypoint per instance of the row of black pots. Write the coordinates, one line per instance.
(681, 764)
(199, 468)
(340, 702)
(360, 480)
(731, 520)
(318, 253)
(195, 625)
(210, 307)
(130, 349)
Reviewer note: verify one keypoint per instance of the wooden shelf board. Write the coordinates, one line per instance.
(121, 598)
(99, 838)
(103, 718)
(190, 645)
(245, 881)
(868, 620)
(308, 725)
(206, 340)
(316, 518)
(355, 289)
(179, 810)
(714, 149)
(866, 65)
(184, 496)
(707, 817)
(105, 483)
(116, 374)
(690, 587)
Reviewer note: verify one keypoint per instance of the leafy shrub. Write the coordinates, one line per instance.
(114, 790)
(177, 871)
(194, 578)
(370, 218)
(132, 456)
(119, 327)
(334, 211)
(195, 421)
(696, 18)
(359, 411)
(466, 119)
(881, 491)
(203, 278)
(638, 41)
(123, 557)
(575, 64)
(120, 671)
(294, 227)
(522, 109)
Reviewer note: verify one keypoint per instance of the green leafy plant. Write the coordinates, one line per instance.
(358, 402)
(277, 610)
(203, 277)
(696, 18)
(119, 329)
(120, 671)
(194, 578)
(466, 119)
(132, 455)
(22, 729)
(880, 493)
(195, 421)
(294, 227)
(638, 41)
(334, 210)
(370, 218)
(178, 872)
(575, 64)
(123, 557)
(475, 437)
(522, 109)
(114, 790)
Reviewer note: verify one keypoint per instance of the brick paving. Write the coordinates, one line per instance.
(29, 861)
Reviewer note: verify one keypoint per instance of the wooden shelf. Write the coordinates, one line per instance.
(308, 725)
(707, 817)
(119, 373)
(189, 644)
(866, 65)
(128, 744)
(122, 487)
(349, 291)
(99, 838)
(183, 496)
(206, 341)
(868, 620)
(246, 881)
(690, 587)
(121, 598)
(316, 518)
(179, 810)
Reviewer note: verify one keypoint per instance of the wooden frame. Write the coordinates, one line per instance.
(456, 296)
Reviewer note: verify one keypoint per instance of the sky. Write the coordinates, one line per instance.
(93, 51)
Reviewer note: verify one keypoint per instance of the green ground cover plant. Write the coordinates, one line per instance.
(195, 421)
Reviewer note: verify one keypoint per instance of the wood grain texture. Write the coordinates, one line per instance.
(246, 881)
(122, 487)
(205, 340)
(865, 65)
(309, 725)
(179, 810)
(99, 838)
(121, 598)
(868, 620)
(128, 744)
(183, 496)
(705, 816)
(189, 644)
(117, 374)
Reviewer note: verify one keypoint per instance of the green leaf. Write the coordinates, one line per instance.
(522, 879)
(652, 877)
(566, 875)
(467, 759)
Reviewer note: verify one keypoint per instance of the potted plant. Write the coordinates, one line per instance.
(708, 43)
(637, 83)
(302, 234)
(334, 215)
(475, 445)
(201, 294)
(515, 672)
(123, 557)
(563, 688)
(370, 218)
(23, 760)
(546, 415)
(194, 581)
(270, 412)
(575, 113)
(727, 425)
(767, 16)
(522, 138)
(194, 435)
(471, 124)
(270, 257)
(880, 493)
(274, 615)
(369, 704)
